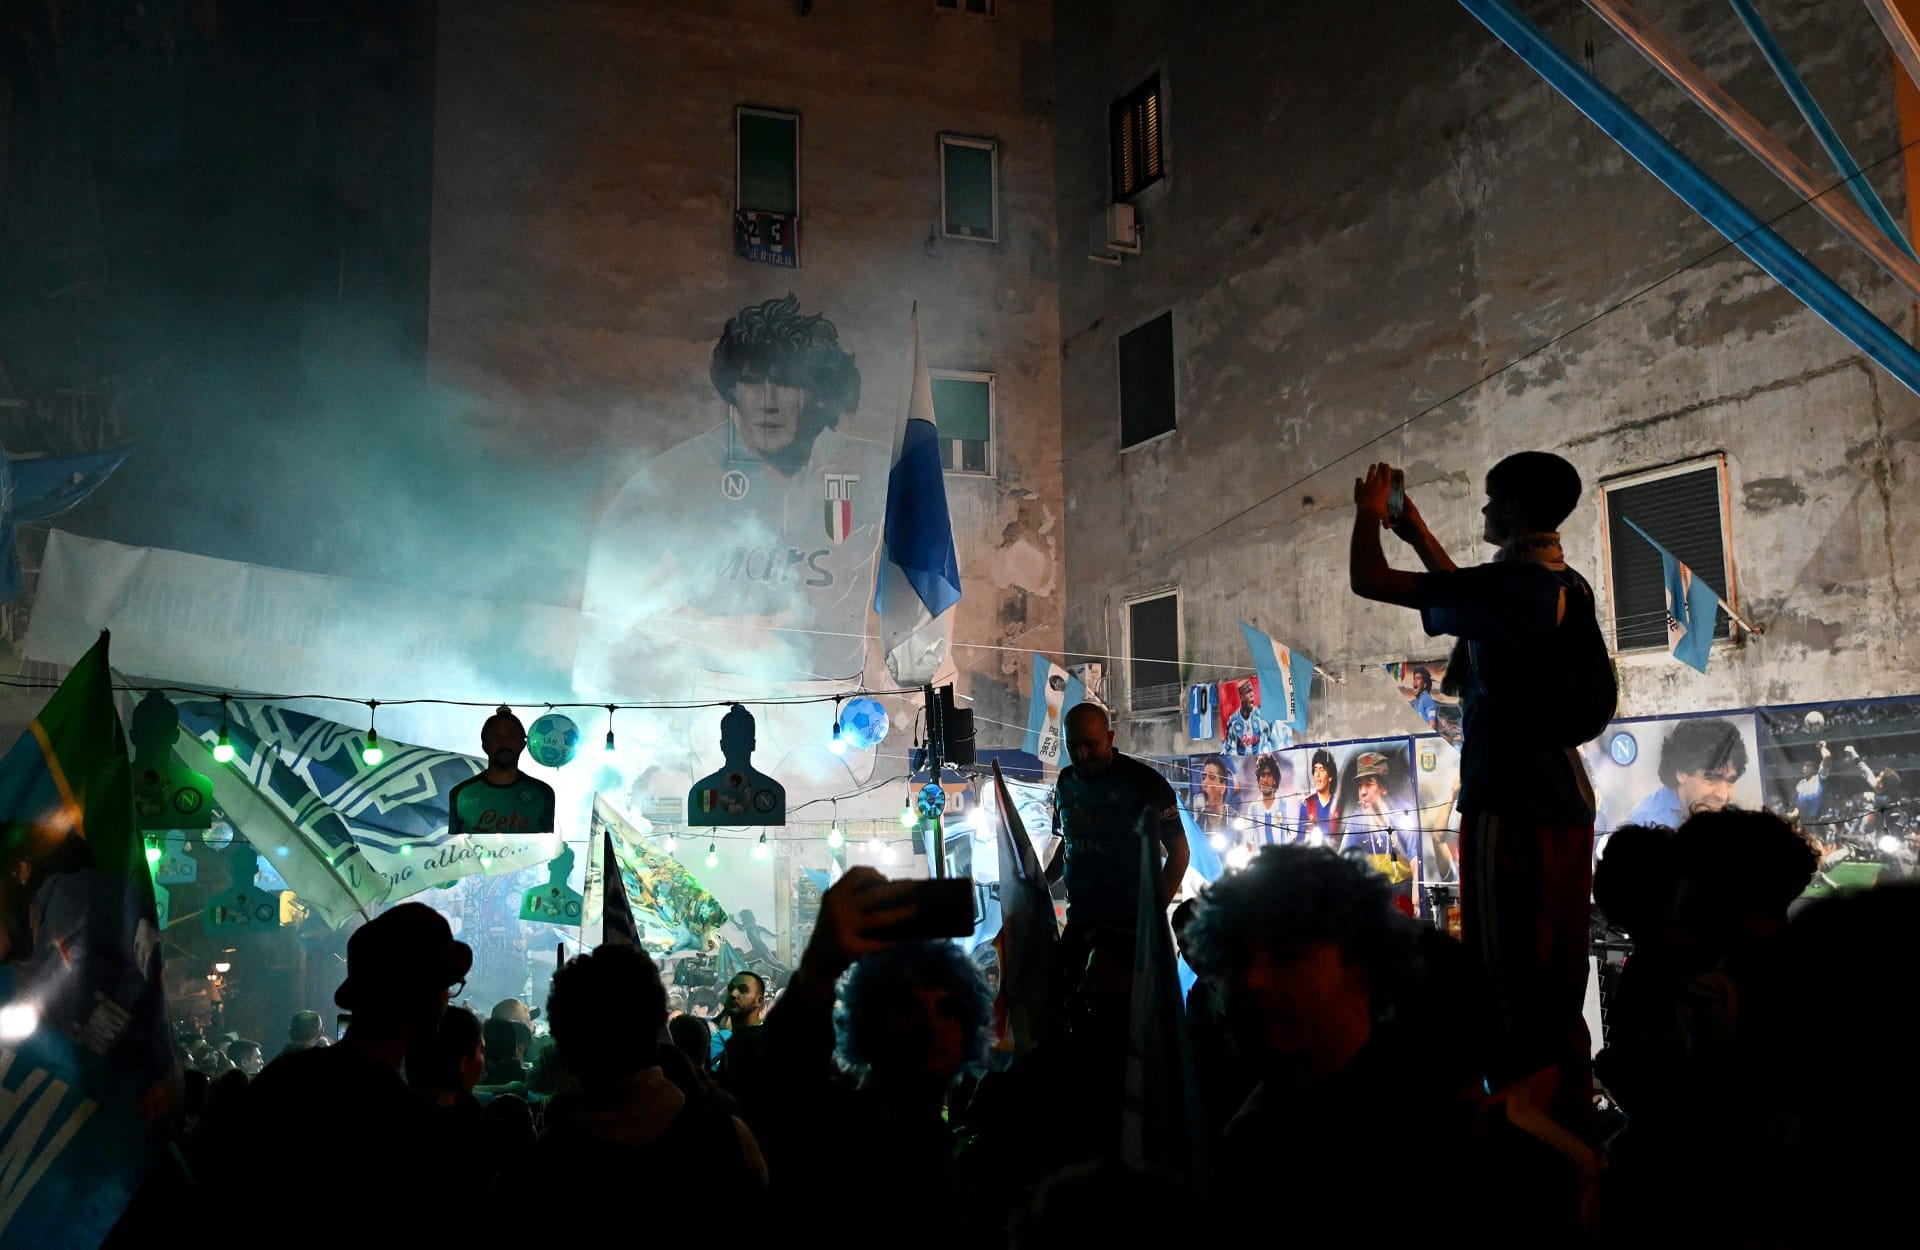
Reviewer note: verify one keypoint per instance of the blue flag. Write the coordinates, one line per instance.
(1201, 857)
(1691, 604)
(38, 488)
(1163, 1122)
(86, 1068)
(1054, 693)
(918, 580)
(1286, 678)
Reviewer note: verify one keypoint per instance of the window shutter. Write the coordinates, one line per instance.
(1682, 512)
(1146, 381)
(1153, 645)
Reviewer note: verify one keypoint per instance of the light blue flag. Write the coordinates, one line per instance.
(1202, 858)
(1054, 693)
(1286, 678)
(1690, 608)
(918, 580)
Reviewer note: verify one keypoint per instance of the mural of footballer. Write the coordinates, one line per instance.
(765, 523)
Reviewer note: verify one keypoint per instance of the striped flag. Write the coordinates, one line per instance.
(1028, 995)
(85, 1061)
(1286, 678)
(1055, 692)
(1690, 608)
(918, 579)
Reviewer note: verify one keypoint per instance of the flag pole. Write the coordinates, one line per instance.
(936, 739)
(1733, 616)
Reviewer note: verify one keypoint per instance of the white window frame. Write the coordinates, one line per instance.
(749, 110)
(1715, 460)
(1119, 414)
(1179, 648)
(993, 422)
(992, 147)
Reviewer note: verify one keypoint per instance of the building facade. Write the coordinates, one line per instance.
(1370, 232)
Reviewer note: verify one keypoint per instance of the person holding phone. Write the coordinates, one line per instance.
(911, 1013)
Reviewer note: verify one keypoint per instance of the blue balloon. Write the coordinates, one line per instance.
(553, 739)
(863, 722)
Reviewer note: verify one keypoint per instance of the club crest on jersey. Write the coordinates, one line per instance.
(733, 484)
(840, 505)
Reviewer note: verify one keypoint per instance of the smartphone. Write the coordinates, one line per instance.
(340, 1023)
(1396, 494)
(943, 908)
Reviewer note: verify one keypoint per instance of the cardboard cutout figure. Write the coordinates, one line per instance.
(738, 794)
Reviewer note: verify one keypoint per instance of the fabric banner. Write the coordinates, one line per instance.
(1850, 773)
(1025, 942)
(671, 910)
(1660, 771)
(86, 1066)
(233, 626)
(396, 812)
(1419, 683)
(1053, 694)
(1245, 729)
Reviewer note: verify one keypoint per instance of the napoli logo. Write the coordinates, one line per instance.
(733, 484)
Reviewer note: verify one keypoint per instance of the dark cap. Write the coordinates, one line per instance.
(403, 956)
(1370, 764)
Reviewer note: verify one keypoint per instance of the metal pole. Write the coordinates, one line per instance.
(936, 742)
(1700, 192)
(1900, 33)
(1882, 244)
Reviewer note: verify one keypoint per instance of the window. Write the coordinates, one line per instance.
(1146, 381)
(1138, 161)
(1153, 653)
(972, 8)
(766, 218)
(1683, 508)
(963, 413)
(969, 188)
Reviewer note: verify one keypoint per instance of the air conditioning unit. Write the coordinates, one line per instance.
(1113, 232)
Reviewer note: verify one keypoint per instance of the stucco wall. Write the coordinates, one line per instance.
(1371, 206)
(583, 261)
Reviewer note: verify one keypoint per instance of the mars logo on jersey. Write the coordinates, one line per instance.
(770, 565)
(840, 505)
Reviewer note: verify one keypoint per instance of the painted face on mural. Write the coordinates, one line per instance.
(769, 418)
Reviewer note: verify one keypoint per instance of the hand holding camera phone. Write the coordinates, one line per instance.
(1396, 495)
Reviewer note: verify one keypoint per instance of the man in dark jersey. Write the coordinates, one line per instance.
(1526, 808)
(1098, 803)
(501, 802)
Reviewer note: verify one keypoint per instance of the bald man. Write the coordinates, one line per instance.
(1098, 804)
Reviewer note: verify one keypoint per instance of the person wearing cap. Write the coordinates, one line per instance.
(1367, 827)
(344, 1110)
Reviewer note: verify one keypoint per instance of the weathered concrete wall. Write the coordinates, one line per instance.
(1373, 205)
(583, 262)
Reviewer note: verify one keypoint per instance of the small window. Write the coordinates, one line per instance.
(1683, 508)
(1137, 157)
(1146, 381)
(1153, 653)
(969, 188)
(766, 219)
(963, 413)
(972, 8)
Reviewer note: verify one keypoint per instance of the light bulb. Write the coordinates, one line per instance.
(609, 728)
(670, 844)
(838, 745)
(223, 967)
(153, 856)
(906, 817)
(371, 754)
(1217, 841)
(18, 1021)
(760, 849)
(713, 856)
(874, 845)
(223, 749)
(887, 853)
(835, 838)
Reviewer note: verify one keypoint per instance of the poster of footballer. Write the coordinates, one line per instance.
(1659, 772)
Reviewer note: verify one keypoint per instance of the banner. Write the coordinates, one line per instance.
(220, 623)
(1286, 675)
(1053, 694)
(1837, 769)
(1660, 771)
(1419, 683)
(395, 812)
(1245, 729)
(671, 910)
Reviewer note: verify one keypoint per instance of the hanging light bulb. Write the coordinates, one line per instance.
(670, 844)
(836, 839)
(837, 744)
(609, 728)
(1217, 840)
(887, 853)
(371, 753)
(153, 855)
(875, 845)
(906, 816)
(713, 856)
(760, 849)
(223, 747)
